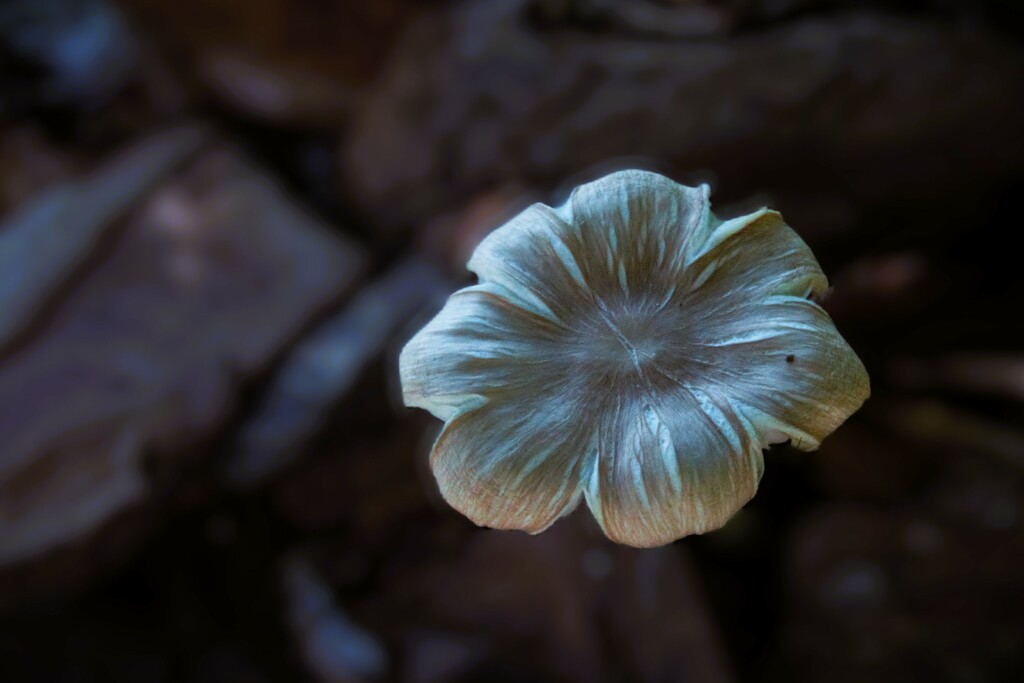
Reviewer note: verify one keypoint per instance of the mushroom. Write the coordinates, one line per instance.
(631, 349)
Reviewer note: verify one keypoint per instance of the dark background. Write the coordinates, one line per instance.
(220, 219)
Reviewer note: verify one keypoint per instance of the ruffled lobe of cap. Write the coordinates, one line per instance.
(511, 454)
(509, 467)
(670, 463)
(480, 347)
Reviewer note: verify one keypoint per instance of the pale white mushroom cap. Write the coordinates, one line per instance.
(631, 349)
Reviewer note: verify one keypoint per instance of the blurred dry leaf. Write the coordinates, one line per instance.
(204, 281)
(873, 103)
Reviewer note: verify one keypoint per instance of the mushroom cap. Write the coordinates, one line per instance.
(630, 349)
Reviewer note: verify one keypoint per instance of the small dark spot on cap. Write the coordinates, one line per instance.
(790, 358)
